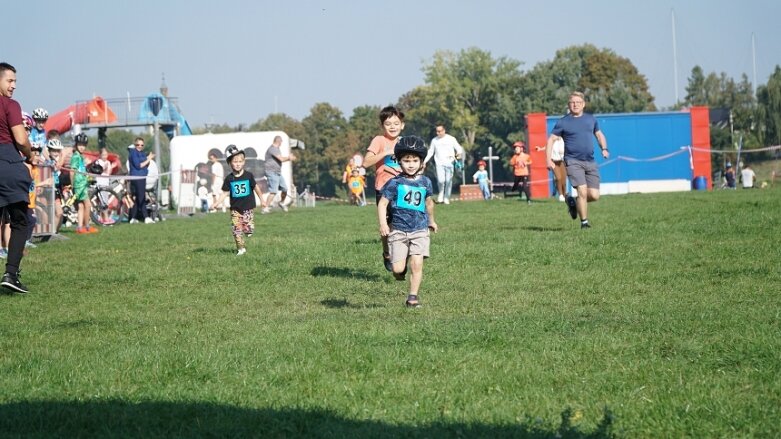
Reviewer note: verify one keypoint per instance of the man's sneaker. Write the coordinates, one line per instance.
(447, 200)
(561, 198)
(440, 199)
(11, 281)
(148, 220)
(29, 244)
(241, 251)
(133, 221)
(572, 207)
(585, 225)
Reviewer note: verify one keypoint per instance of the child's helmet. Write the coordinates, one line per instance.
(519, 144)
(410, 145)
(54, 144)
(231, 151)
(27, 121)
(95, 168)
(81, 139)
(481, 163)
(40, 114)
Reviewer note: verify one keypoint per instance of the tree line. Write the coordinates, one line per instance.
(482, 100)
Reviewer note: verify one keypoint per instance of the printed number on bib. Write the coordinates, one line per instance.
(411, 197)
(390, 161)
(240, 188)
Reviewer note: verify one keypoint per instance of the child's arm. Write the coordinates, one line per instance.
(382, 214)
(430, 212)
(221, 198)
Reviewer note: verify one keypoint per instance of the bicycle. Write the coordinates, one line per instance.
(115, 201)
(108, 203)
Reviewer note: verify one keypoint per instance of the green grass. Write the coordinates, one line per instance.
(660, 321)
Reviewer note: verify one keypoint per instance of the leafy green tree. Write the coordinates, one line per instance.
(474, 95)
(363, 125)
(612, 84)
(326, 135)
(769, 97)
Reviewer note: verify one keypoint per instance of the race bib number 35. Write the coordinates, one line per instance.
(411, 197)
(240, 188)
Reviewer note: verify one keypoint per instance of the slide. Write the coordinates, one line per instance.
(92, 111)
(157, 108)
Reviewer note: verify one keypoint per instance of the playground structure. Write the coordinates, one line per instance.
(155, 111)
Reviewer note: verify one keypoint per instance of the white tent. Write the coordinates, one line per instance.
(188, 152)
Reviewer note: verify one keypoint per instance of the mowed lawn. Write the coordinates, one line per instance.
(663, 320)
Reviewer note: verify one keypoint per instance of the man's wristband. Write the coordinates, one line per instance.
(605, 149)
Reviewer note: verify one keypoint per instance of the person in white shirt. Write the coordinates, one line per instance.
(445, 149)
(747, 175)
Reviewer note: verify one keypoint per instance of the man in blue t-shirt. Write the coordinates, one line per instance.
(576, 129)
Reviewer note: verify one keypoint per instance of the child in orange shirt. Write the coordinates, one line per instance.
(357, 185)
(520, 162)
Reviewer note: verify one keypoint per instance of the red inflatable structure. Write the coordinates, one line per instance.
(92, 111)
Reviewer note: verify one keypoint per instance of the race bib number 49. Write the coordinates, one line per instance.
(411, 197)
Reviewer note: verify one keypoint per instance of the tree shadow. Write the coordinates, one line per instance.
(119, 418)
(344, 272)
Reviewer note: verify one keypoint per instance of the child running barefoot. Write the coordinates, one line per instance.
(240, 185)
(408, 199)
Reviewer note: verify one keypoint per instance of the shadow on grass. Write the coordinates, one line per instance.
(541, 229)
(343, 272)
(214, 250)
(344, 303)
(116, 418)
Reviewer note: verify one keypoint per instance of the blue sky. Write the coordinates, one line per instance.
(234, 61)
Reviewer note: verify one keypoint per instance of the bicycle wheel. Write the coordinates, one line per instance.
(106, 206)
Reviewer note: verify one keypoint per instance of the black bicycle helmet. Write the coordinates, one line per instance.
(410, 145)
(95, 168)
(231, 151)
(81, 139)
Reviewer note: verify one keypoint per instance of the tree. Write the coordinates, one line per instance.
(769, 97)
(612, 84)
(474, 95)
(326, 135)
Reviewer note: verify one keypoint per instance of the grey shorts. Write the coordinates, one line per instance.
(403, 244)
(276, 183)
(580, 173)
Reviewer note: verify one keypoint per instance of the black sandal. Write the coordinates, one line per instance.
(412, 301)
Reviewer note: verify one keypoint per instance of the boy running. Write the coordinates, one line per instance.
(380, 155)
(240, 185)
(407, 197)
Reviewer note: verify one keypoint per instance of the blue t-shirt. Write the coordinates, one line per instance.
(578, 134)
(407, 202)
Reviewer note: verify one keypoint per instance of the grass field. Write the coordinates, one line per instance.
(663, 320)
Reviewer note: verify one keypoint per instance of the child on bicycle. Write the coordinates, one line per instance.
(240, 186)
(78, 174)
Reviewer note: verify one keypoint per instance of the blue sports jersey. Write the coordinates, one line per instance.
(578, 134)
(407, 202)
(38, 137)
